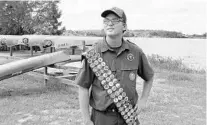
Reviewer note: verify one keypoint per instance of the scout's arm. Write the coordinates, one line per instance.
(146, 72)
(147, 85)
(84, 104)
(84, 80)
(141, 104)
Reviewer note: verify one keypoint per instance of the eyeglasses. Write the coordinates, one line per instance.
(113, 21)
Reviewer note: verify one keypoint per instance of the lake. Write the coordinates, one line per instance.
(191, 51)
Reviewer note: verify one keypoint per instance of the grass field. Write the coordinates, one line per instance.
(178, 97)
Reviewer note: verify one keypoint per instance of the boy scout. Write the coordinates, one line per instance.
(110, 69)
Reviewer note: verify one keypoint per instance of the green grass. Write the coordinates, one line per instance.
(170, 64)
(176, 98)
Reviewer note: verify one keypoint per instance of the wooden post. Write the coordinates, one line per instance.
(45, 74)
(51, 49)
(31, 49)
(84, 45)
(73, 50)
(20, 47)
(11, 51)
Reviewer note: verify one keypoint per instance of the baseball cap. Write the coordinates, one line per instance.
(115, 10)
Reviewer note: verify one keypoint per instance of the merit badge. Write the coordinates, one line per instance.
(123, 112)
(120, 97)
(106, 68)
(114, 88)
(117, 85)
(124, 94)
(132, 110)
(92, 65)
(109, 91)
(127, 110)
(103, 63)
(121, 90)
(116, 100)
(100, 59)
(104, 75)
(97, 73)
(97, 55)
(127, 120)
(108, 79)
(115, 80)
(130, 106)
(89, 60)
(125, 117)
(111, 76)
(126, 99)
(103, 82)
(110, 83)
(96, 62)
(95, 69)
(91, 52)
(93, 57)
(130, 57)
(117, 93)
(121, 109)
(132, 76)
(112, 95)
(100, 78)
(99, 66)
(118, 104)
(106, 86)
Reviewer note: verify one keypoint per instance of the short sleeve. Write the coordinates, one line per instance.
(85, 75)
(145, 70)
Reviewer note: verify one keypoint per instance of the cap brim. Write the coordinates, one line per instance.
(106, 12)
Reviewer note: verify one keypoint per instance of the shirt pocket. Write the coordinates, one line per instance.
(128, 80)
(129, 71)
(129, 75)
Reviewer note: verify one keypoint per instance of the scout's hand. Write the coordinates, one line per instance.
(89, 123)
(140, 106)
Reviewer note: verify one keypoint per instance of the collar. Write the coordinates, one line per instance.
(105, 47)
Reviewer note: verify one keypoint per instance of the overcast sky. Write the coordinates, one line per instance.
(186, 16)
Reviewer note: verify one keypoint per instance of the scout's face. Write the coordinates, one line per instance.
(113, 25)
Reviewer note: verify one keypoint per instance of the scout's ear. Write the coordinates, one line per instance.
(125, 27)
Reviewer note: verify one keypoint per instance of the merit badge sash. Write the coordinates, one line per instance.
(112, 86)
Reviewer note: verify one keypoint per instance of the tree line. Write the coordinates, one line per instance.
(30, 17)
(136, 33)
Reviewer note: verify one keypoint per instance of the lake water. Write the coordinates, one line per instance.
(191, 51)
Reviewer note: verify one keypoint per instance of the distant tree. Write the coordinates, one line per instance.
(204, 35)
(47, 16)
(128, 34)
(30, 17)
(15, 17)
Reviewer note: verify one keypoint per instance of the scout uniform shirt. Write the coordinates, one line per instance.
(125, 64)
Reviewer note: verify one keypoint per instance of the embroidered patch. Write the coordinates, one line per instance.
(132, 76)
(130, 57)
